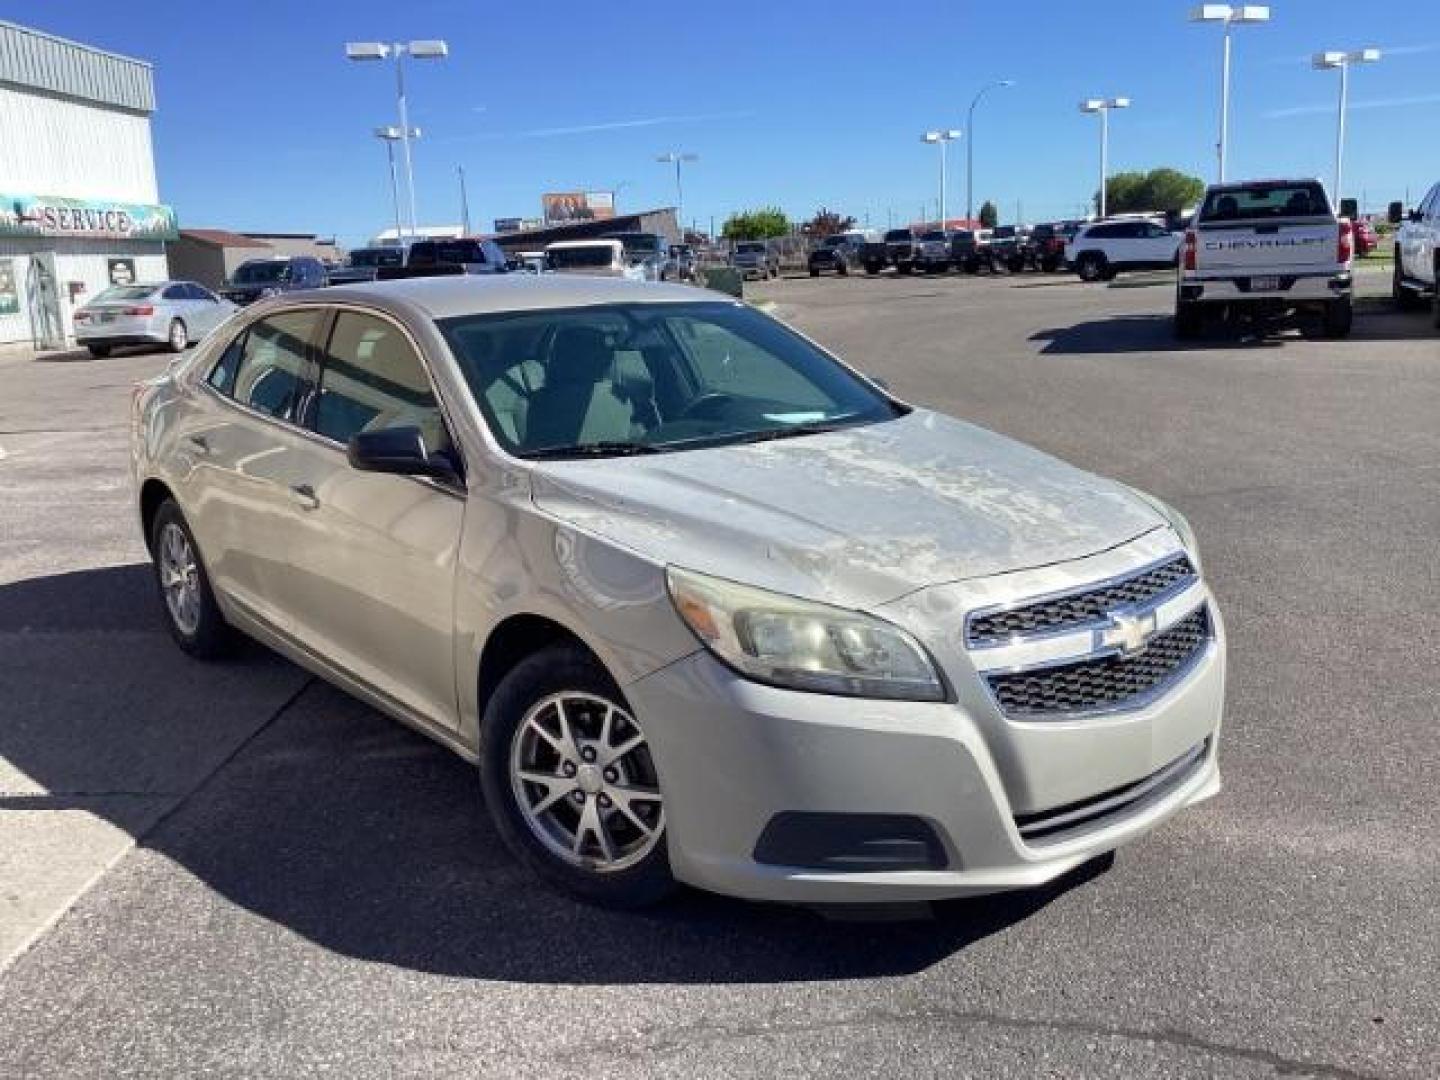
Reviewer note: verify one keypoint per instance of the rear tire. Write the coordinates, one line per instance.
(843, 270)
(1189, 320)
(1339, 316)
(99, 351)
(814, 272)
(178, 337)
(539, 837)
(903, 268)
(192, 613)
(1405, 299)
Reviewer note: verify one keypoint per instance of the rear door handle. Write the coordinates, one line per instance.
(305, 495)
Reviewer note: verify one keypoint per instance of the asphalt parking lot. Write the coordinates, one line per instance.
(315, 891)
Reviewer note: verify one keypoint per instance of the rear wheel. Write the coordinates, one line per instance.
(1339, 315)
(569, 779)
(903, 268)
(178, 336)
(99, 351)
(814, 272)
(1090, 266)
(1405, 299)
(843, 270)
(1188, 320)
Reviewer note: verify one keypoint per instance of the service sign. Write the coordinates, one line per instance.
(47, 215)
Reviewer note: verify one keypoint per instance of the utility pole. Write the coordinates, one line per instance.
(464, 202)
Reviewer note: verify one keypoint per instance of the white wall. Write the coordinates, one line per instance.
(53, 146)
(75, 260)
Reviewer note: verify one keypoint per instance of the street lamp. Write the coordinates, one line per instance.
(941, 139)
(1103, 107)
(420, 50)
(1230, 15)
(970, 146)
(1327, 61)
(677, 158)
(390, 136)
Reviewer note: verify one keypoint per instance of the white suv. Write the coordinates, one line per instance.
(1417, 252)
(1103, 249)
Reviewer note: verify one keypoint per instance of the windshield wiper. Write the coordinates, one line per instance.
(809, 427)
(602, 448)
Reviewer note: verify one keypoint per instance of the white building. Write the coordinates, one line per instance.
(79, 208)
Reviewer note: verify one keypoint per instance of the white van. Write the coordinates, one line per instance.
(596, 258)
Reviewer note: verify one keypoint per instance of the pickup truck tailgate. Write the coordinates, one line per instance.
(1267, 246)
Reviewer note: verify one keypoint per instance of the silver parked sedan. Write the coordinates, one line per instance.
(703, 603)
(169, 313)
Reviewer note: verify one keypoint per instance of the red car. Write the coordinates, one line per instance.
(1366, 238)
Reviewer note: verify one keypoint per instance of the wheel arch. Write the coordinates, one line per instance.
(512, 640)
(153, 494)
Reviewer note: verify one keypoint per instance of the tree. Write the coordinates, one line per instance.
(759, 224)
(1158, 190)
(989, 216)
(827, 223)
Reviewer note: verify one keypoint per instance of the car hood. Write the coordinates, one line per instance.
(857, 517)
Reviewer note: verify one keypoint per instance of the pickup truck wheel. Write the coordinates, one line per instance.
(843, 270)
(99, 351)
(1090, 266)
(904, 268)
(814, 272)
(1435, 306)
(1189, 320)
(1339, 315)
(871, 269)
(1405, 299)
(569, 779)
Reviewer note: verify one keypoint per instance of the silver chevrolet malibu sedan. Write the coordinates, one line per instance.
(703, 603)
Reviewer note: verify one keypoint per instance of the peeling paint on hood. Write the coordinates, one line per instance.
(856, 517)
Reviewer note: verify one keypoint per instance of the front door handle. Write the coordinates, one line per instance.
(305, 495)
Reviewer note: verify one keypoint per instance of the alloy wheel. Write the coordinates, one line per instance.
(585, 783)
(180, 578)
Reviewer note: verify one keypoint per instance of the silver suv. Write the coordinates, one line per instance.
(755, 257)
(703, 603)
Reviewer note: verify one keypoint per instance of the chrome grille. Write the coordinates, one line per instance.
(1078, 609)
(1104, 682)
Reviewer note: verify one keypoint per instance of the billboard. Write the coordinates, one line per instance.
(563, 207)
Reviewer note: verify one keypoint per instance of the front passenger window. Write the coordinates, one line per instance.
(373, 379)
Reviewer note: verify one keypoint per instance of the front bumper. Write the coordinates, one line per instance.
(1294, 288)
(735, 755)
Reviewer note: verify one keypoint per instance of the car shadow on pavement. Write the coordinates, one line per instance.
(371, 841)
(1152, 333)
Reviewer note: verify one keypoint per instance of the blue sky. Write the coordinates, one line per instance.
(263, 124)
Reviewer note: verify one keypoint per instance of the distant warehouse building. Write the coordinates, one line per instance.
(661, 221)
(79, 207)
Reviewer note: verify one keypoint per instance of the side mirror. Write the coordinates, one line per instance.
(401, 451)
(1396, 213)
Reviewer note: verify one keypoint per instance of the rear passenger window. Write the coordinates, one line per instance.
(373, 379)
(270, 373)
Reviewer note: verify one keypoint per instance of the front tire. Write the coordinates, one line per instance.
(570, 782)
(178, 337)
(1405, 299)
(99, 352)
(192, 613)
(1188, 320)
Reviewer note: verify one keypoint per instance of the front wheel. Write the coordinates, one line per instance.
(1405, 299)
(570, 782)
(194, 616)
(178, 337)
(814, 272)
(99, 351)
(1188, 321)
(1090, 267)
(1339, 315)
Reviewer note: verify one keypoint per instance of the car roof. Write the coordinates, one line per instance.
(605, 241)
(474, 294)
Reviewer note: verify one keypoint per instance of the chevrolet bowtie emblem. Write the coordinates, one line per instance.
(1126, 632)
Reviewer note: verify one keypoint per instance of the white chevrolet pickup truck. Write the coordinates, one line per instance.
(1417, 253)
(1265, 248)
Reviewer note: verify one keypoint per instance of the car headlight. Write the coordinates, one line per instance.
(1178, 522)
(802, 645)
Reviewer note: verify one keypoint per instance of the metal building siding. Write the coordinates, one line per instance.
(74, 149)
(38, 61)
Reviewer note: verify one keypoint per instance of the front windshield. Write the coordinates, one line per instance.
(1003, 232)
(750, 249)
(257, 273)
(628, 378)
(370, 257)
(898, 234)
(936, 234)
(580, 257)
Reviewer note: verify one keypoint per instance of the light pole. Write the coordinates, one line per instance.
(1326, 61)
(390, 136)
(1229, 15)
(1103, 107)
(420, 50)
(678, 158)
(941, 139)
(970, 146)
